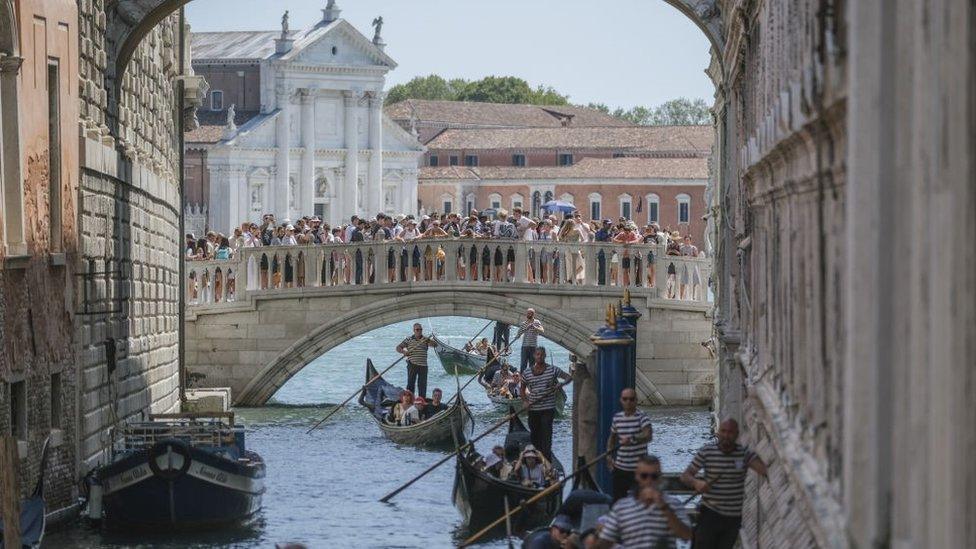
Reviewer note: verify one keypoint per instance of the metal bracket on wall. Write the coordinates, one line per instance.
(89, 276)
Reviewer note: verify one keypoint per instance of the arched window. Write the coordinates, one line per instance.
(216, 100)
(548, 197)
(653, 208)
(495, 201)
(257, 185)
(536, 202)
(684, 208)
(626, 206)
(567, 197)
(517, 201)
(596, 202)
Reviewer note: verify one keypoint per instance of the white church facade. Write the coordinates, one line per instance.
(294, 126)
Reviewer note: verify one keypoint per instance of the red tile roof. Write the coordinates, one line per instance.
(475, 114)
(692, 140)
(587, 168)
(213, 124)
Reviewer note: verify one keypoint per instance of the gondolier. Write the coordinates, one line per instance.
(529, 330)
(630, 431)
(415, 349)
(539, 394)
(725, 463)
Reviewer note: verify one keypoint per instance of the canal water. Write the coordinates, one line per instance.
(323, 488)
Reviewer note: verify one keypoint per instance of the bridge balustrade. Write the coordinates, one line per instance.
(546, 264)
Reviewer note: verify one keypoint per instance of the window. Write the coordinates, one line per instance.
(216, 100)
(335, 50)
(54, 157)
(470, 203)
(434, 161)
(595, 200)
(470, 160)
(565, 159)
(547, 197)
(518, 160)
(453, 160)
(626, 206)
(447, 202)
(56, 409)
(447, 207)
(517, 201)
(18, 410)
(319, 210)
(536, 202)
(495, 200)
(653, 208)
(684, 208)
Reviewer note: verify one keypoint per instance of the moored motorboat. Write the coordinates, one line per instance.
(441, 429)
(481, 496)
(461, 361)
(33, 510)
(179, 470)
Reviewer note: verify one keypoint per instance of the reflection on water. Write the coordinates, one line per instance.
(323, 488)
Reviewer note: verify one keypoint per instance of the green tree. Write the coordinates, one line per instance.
(425, 87)
(681, 112)
(497, 89)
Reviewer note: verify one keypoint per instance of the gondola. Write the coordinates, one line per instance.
(516, 403)
(187, 470)
(480, 496)
(451, 357)
(441, 429)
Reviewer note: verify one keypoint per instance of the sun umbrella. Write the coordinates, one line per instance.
(558, 206)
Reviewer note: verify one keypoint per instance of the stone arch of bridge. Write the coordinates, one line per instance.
(9, 44)
(129, 21)
(565, 331)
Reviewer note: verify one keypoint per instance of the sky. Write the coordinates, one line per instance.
(618, 52)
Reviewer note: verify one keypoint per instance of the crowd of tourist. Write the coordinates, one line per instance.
(634, 265)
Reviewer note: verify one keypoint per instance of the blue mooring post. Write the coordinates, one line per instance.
(612, 344)
(629, 313)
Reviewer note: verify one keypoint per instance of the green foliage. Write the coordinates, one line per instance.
(491, 89)
(677, 112)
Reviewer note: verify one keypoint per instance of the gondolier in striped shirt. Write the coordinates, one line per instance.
(415, 349)
(630, 432)
(647, 517)
(539, 394)
(529, 330)
(725, 464)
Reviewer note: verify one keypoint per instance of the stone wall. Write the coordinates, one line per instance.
(130, 238)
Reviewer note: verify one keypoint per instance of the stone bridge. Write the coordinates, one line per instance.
(254, 321)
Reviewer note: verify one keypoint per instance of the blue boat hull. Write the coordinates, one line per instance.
(209, 490)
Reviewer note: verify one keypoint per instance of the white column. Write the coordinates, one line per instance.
(219, 207)
(235, 195)
(280, 194)
(375, 184)
(349, 198)
(307, 183)
(12, 182)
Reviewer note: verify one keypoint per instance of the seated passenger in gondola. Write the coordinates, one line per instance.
(415, 413)
(481, 347)
(505, 382)
(399, 409)
(495, 463)
(531, 469)
(435, 406)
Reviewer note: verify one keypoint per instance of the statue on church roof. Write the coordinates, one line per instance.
(378, 24)
(231, 113)
(284, 24)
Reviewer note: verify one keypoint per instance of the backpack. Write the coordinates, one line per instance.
(507, 230)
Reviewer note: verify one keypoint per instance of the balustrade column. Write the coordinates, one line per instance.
(451, 260)
(591, 276)
(381, 260)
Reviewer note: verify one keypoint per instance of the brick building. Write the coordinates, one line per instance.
(481, 158)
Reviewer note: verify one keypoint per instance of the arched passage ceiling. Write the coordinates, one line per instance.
(128, 22)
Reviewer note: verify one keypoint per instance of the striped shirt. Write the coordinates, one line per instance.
(629, 426)
(416, 350)
(632, 524)
(530, 332)
(726, 473)
(542, 384)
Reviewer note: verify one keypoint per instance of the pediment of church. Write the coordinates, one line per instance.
(338, 43)
(395, 138)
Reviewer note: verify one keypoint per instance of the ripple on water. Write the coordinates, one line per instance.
(323, 488)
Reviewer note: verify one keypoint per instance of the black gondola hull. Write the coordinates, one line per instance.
(213, 490)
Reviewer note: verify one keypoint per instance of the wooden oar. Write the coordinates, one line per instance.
(535, 498)
(445, 459)
(352, 396)
(508, 525)
(697, 493)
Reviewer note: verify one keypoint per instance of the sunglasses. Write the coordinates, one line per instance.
(628, 399)
(652, 476)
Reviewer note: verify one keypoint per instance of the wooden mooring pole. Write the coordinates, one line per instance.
(9, 491)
